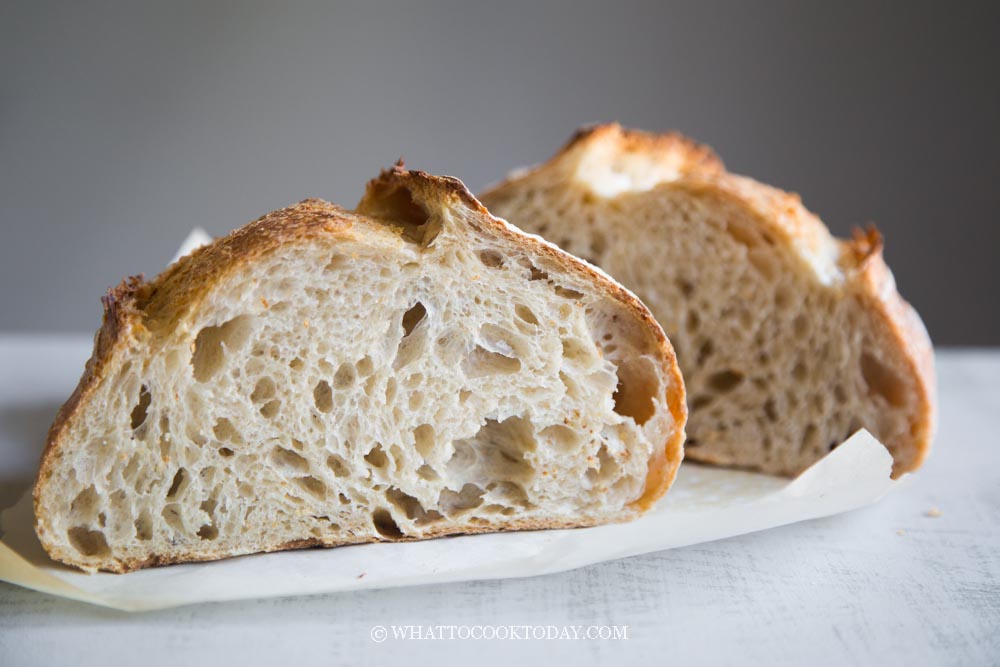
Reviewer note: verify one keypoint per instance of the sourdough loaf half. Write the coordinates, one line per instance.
(789, 339)
(410, 369)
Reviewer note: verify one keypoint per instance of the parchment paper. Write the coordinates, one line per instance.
(704, 504)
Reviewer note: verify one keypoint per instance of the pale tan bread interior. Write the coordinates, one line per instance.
(789, 340)
(411, 369)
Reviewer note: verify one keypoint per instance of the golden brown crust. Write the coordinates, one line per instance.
(690, 156)
(900, 323)
(136, 308)
(179, 290)
(860, 260)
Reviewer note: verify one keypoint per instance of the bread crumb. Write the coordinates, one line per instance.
(934, 512)
(238, 339)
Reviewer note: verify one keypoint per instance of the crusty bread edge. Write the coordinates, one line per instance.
(182, 285)
(903, 325)
(861, 258)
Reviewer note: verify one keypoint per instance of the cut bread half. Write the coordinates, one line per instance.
(410, 369)
(789, 339)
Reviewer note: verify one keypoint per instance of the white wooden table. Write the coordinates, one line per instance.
(886, 585)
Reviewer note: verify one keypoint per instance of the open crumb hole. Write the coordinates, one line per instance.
(344, 377)
(882, 380)
(288, 460)
(88, 542)
(562, 438)
(377, 458)
(144, 526)
(491, 258)
(423, 439)
(323, 396)
(208, 532)
(178, 484)
(212, 343)
(411, 507)
(385, 524)
(224, 431)
(638, 385)
(525, 314)
(725, 381)
(314, 487)
(469, 498)
(400, 209)
(337, 465)
(138, 416)
(413, 317)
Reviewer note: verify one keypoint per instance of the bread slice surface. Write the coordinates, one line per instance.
(410, 369)
(789, 339)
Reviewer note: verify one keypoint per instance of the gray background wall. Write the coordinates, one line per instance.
(123, 125)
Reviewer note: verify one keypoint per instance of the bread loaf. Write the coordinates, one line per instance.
(789, 339)
(410, 369)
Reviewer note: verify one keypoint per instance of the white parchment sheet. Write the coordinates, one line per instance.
(704, 504)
